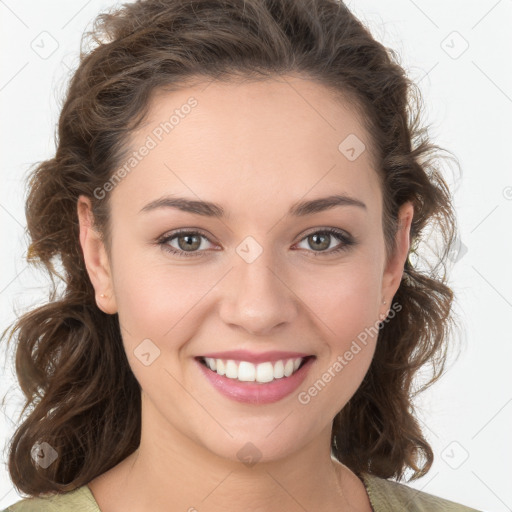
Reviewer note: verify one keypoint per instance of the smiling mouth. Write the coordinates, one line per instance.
(245, 371)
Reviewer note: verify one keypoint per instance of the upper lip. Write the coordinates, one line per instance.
(253, 357)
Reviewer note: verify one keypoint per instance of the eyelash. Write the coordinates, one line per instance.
(346, 240)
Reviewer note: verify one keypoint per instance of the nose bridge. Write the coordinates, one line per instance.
(260, 299)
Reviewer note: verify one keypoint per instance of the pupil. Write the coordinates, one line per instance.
(325, 237)
(190, 244)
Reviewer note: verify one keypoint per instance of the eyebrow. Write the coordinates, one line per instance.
(208, 209)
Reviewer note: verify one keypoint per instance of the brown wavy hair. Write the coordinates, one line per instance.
(81, 395)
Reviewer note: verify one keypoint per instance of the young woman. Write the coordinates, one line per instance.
(236, 192)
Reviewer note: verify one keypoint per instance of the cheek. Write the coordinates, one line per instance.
(161, 301)
(152, 299)
(157, 309)
(346, 305)
(346, 298)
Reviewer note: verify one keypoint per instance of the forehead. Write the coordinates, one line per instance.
(240, 142)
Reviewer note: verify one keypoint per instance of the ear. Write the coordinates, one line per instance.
(95, 257)
(394, 269)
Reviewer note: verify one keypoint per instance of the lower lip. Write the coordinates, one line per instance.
(254, 392)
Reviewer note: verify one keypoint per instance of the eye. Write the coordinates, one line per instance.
(188, 243)
(321, 240)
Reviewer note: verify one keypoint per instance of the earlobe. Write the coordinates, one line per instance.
(95, 257)
(395, 266)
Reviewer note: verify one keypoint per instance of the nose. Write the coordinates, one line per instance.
(257, 297)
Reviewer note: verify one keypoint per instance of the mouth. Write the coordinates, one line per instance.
(264, 382)
(245, 371)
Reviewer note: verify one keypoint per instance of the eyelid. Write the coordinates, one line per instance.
(327, 229)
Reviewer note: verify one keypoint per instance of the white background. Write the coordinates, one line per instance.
(467, 415)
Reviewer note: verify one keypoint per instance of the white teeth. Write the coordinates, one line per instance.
(264, 372)
(288, 368)
(246, 372)
(279, 370)
(231, 370)
(212, 363)
(249, 372)
(220, 367)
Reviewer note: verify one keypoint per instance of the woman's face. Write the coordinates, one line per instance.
(256, 273)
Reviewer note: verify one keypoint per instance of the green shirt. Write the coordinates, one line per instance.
(385, 496)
